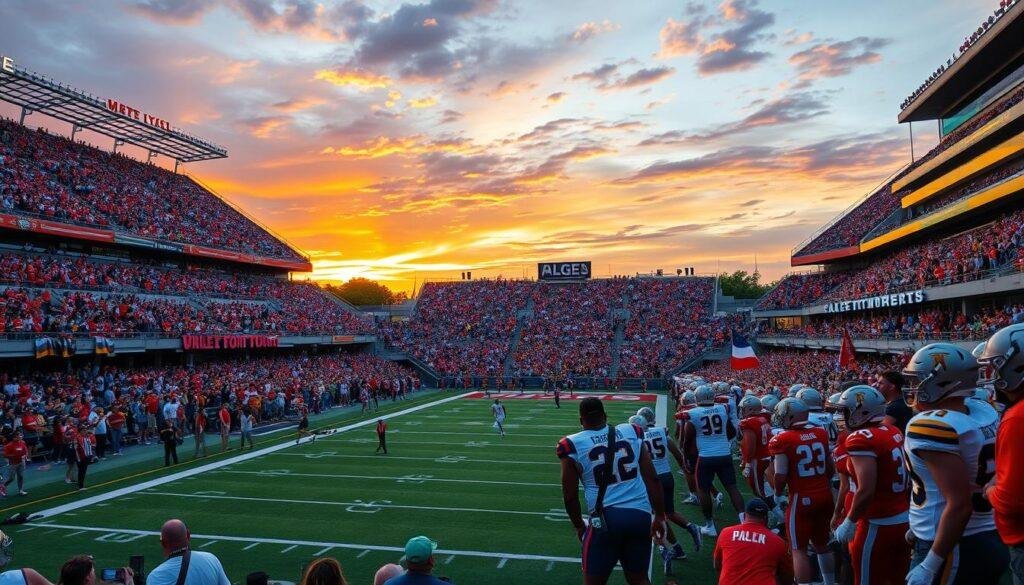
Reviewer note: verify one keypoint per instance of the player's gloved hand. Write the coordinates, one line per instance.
(746, 470)
(924, 574)
(658, 528)
(845, 531)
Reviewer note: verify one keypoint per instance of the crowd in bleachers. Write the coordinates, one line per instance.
(931, 323)
(54, 178)
(782, 367)
(797, 290)
(270, 387)
(670, 322)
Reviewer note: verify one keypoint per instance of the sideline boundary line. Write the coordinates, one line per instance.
(86, 502)
(412, 479)
(251, 539)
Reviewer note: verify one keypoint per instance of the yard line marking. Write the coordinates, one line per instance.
(466, 460)
(73, 534)
(449, 559)
(253, 545)
(345, 545)
(208, 544)
(322, 551)
(363, 554)
(132, 489)
(289, 548)
(406, 478)
(401, 432)
(27, 528)
(360, 506)
(550, 566)
(502, 562)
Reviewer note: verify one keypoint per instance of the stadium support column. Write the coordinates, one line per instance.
(911, 126)
(25, 112)
(176, 163)
(116, 144)
(75, 128)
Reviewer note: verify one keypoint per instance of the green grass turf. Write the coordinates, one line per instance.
(503, 498)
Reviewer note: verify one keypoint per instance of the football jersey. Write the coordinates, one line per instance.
(656, 439)
(826, 421)
(729, 401)
(885, 444)
(588, 449)
(970, 435)
(806, 450)
(762, 429)
(841, 460)
(499, 410)
(710, 423)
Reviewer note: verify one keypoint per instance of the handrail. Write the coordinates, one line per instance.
(895, 336)
(971, 276)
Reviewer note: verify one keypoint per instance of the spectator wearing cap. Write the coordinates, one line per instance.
(750, 553)
(897, 413)
(203, 568)
(418, 562)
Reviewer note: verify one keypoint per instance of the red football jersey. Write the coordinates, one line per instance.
(762, 429)
(842, 463)
(806, 450)
(885, 444)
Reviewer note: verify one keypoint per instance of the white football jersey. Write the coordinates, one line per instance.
(656, 439)
(588, 448)
(499, 411)
(826, 421)
(711, 422)
(970, 435)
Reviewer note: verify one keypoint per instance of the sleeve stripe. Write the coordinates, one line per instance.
(933, 436)
(863, 454)
(932, 424)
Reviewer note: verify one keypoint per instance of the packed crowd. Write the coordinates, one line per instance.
(797, 290)
(54, 178)
(854, 225)
(925, 324)
(969, 41)
(42, 405)
(670, 322)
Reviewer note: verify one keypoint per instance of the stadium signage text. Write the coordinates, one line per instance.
(190, 342)
(7, 63)
(880, 302)
(126, 110)
(563, 270)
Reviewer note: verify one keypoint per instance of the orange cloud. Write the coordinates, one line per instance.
(423, 102)
(359, 78)
(407, 145)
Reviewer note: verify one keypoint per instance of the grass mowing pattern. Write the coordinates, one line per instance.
(449, 476)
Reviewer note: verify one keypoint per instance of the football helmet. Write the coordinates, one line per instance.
(938, 371)
(704, 395)
(810, 397)
(791, 393)
(688, 398)
(750, 406)
(638, 420)
(768, 402)
(648, 415)
(1003, 359)
(721, 388)
(789, 413)
(862, 405)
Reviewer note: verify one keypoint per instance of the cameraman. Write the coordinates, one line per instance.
(80, 570)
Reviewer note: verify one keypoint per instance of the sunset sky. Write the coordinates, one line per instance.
(409, 140)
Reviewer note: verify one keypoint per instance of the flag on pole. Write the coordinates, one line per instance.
(847, 355)
(743, 357)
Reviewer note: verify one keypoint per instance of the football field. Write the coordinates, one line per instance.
(493, 505)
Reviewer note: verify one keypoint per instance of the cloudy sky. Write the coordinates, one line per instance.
(411, 140)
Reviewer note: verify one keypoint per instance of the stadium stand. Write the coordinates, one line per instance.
(781, 368)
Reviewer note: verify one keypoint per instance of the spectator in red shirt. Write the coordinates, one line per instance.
(115, 422)
(1003, 359)
(200, 433)
(85, 452)
(16, 453)
(749, 553)
(224, 415)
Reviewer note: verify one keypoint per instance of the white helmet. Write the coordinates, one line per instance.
(704, 395)
(648, 415)
(750, 406)
(638, 420)
(791, 393)
(861, 406)
(688, 399)
(940, 370)
(721, 388)
(789, 413)
(769, 401)
(810, 397)
(1003, 358)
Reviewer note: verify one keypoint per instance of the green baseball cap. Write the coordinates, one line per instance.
(418, 550)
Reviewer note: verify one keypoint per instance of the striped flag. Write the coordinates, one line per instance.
(847, 353)
(743, 357)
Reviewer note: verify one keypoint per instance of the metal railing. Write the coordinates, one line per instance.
(886, 336)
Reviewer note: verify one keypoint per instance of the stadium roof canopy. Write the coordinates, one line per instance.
(973, 71)
(36, 93)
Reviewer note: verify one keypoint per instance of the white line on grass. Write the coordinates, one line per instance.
(289, 549)
(441, 459)
(363, 554)
(212, 542)
(364, 507)
(401, 478)
(322, 551)
(78, 504)
(351, 546)
(488, 444)
(403, 433)
(253, 545)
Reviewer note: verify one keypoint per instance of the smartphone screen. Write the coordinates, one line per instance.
(109, 575)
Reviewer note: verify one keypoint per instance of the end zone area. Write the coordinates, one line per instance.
(494, 505)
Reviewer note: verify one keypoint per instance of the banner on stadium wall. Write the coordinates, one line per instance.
(103, 345)
(146, 243)
(54, 346)
(193, 342)
(343, 338)
(563, 270)
(880, 302)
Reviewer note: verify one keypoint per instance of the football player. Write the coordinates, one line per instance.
(817, 415)
(708, 432)
(498, 410)
(660, 446)
(950, 451)
(621, 531)
(876, 521)
(755, 432)
(802, 463)
(687, 402)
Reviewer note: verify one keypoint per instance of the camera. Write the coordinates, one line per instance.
(112, 575)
